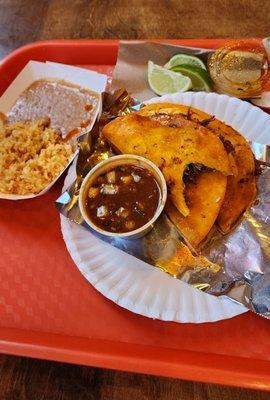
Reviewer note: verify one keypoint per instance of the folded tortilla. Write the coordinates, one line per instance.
(241, 185)
(204, 197)
(171, 149)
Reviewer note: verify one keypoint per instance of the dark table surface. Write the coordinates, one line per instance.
(24, 21)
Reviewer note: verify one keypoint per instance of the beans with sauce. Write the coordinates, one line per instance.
(123, 199)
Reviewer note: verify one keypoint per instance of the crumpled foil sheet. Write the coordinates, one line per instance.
(236, 265)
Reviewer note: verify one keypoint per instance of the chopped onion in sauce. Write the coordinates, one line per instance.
(110, 176)
(93, 192)
(108, 189)
(136, 177)
(102, 211)
(122, 212)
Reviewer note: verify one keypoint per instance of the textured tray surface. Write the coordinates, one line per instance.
(49, 310)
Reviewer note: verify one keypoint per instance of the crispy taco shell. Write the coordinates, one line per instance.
(204, 197)
(171, 149)
(241, 187)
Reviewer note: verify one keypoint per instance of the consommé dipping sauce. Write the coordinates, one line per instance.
(123, 199)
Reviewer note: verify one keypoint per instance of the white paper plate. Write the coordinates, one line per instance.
(140, 287)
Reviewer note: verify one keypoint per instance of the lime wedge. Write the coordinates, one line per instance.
(180, 59)
(200, 78)
(163, 81)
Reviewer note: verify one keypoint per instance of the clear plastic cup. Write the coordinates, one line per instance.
(240, 69)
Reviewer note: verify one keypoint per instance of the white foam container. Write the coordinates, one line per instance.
(35, 70)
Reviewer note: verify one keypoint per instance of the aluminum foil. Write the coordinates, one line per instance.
(236, 265)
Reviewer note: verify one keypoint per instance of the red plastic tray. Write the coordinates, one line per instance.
(48, 310)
